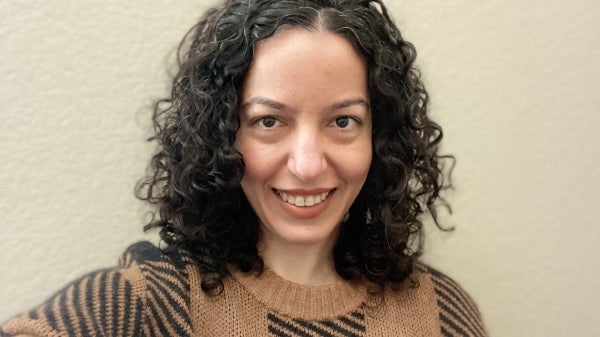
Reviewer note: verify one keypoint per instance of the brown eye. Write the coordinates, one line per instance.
(342, 122)
(267, 122)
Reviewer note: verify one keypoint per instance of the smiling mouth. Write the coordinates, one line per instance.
(303, 200)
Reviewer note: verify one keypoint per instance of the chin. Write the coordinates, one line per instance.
(306, 235)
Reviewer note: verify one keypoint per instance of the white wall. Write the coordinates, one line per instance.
(514, 84)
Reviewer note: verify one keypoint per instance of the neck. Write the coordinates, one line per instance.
(302, 264)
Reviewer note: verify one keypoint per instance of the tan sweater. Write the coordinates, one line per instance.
(153, 294)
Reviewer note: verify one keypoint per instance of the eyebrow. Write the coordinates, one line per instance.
(348, 103)
(263, 101)
(280, 106)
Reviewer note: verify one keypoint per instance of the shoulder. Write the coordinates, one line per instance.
(458, 313)
(167, 288)
(147, 293)
(153, 261)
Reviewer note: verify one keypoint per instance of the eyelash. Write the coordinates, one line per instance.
(350, 121)
(260, 122)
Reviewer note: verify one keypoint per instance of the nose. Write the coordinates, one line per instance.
(307, 158)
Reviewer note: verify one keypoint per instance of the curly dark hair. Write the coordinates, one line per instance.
(194, 178)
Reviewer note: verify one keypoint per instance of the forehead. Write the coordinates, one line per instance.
(297, 63)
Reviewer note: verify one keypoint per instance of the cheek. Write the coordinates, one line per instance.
(258, 162)
(360, 169)
(354, 164)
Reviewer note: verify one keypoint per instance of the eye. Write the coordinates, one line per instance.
(344, 122)
(267, 122)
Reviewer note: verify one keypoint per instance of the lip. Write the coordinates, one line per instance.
(302, 212)
(304, 192)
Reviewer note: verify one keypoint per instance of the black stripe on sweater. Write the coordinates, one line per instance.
(77, 295)
(104, 303)
(82, 308)
(167, 299)
(458, 313)
(351, 325)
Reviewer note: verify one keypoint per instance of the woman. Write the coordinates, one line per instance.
(295, 157)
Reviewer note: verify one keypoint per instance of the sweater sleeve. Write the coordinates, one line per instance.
(458, 313)
(137, 298)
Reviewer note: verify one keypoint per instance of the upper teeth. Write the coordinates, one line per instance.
(303, 201)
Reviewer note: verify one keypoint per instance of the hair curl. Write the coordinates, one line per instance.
(194, 178)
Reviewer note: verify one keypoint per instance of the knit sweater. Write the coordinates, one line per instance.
(155, 294)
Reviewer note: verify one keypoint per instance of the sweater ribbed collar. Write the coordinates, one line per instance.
(302, 301)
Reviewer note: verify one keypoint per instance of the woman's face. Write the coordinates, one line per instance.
(305, 134)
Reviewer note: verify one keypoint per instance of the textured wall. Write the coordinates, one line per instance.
(515, 85)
